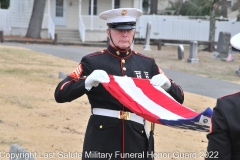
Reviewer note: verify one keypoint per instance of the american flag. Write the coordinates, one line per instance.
(155, 105)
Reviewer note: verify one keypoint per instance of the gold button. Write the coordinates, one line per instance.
(123, 60)
(118, 53)
(124, 68)
(127, 53)
(142, 131)
(100, 126)
(84, 76)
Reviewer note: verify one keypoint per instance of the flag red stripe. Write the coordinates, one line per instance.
(127, 101)
(167, 103)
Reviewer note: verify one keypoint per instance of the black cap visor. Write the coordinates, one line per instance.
(122, 25)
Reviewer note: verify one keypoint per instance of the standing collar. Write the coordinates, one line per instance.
(119, 53)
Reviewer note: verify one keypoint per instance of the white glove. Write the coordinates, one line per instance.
(96, 77)
(161, 80)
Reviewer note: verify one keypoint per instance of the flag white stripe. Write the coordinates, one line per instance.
(162, 90)
(128, 85)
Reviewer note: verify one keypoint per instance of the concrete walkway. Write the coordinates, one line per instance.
(190, 83)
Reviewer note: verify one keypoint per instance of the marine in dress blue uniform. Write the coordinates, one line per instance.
(109, 131)
(224, 136)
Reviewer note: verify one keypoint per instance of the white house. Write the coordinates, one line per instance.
(72, 17)
(76, 18)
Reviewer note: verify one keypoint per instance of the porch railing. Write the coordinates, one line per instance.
(49, 25)
(81, 28)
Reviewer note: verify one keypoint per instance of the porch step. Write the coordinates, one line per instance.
(68, 36)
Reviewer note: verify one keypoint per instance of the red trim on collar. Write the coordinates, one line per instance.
(229, 95)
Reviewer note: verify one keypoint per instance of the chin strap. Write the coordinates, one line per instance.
(117, 46)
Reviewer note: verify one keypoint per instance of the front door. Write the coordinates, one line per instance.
(59, 12)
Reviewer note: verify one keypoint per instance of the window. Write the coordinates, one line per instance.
(145, 5)
(94, 7)
(59, 8)
(116, 4)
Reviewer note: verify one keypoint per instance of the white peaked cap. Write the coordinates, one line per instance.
(235, 41)
(121, 15)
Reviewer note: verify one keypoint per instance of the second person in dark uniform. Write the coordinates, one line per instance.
(224, 136)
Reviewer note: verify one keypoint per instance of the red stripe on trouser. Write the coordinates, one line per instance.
(123, 138)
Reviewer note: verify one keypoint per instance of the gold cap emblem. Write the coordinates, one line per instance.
(124, 12)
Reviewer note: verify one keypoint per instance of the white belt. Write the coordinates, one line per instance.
(118, 114)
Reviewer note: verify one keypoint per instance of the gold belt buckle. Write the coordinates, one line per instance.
(124, 115)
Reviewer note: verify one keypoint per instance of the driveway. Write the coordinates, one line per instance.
(190, 83)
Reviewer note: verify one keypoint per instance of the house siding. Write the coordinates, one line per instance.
(126, 4)
(21, 11)
(72, 15)
(84, 7)
(20, 15)
(104, 5)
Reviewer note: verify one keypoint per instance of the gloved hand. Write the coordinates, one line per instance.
(161, 80)
(96, 77)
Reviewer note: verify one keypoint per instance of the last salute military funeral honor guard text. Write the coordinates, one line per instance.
(114, 134)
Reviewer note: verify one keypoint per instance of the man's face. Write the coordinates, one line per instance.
(121, 38)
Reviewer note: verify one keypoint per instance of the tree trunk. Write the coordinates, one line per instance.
(224, 6)
(212, 25)
(35, 24)
(154, 6)
(179, 7)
